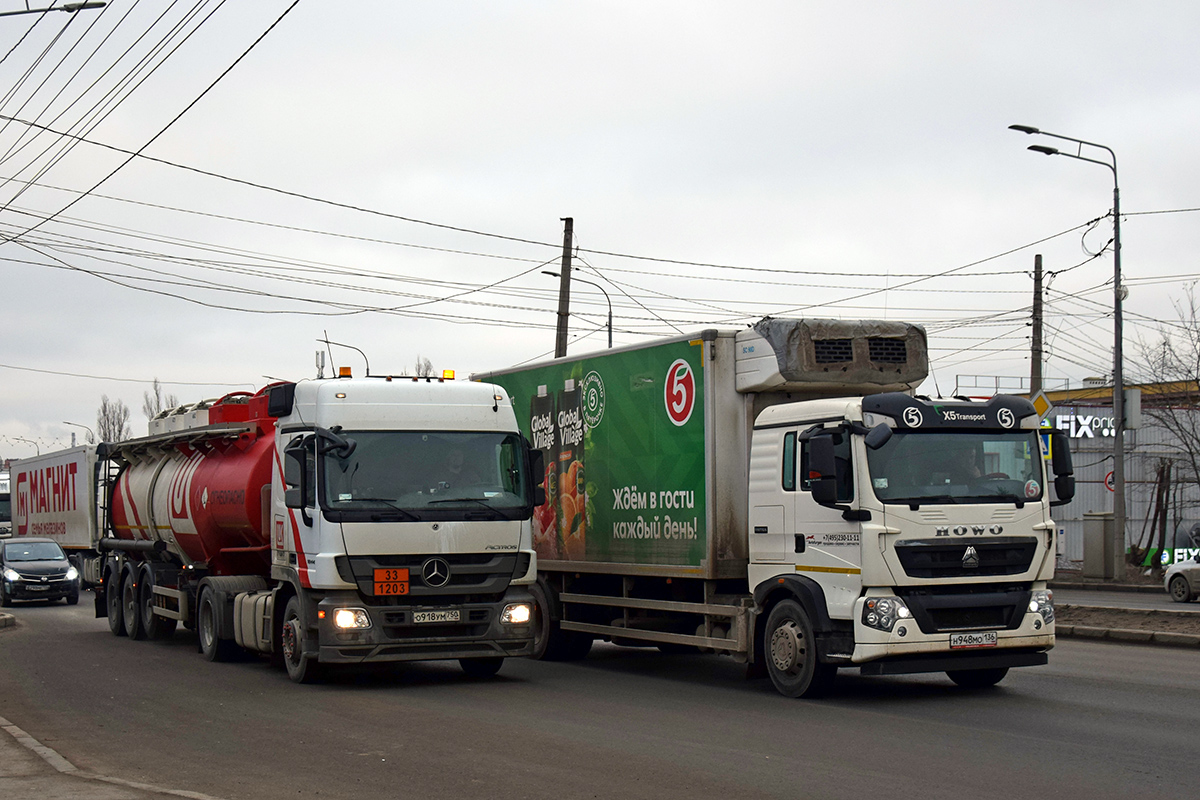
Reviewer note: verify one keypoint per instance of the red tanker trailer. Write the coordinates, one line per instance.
(325, 522)
(207, 498)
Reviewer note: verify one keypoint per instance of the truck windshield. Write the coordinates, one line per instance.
(960, 467)
(419, 475)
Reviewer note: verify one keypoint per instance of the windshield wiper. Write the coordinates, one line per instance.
(495, 511)
(377, 516)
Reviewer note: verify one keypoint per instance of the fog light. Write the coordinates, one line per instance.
(516, 614)
(351, 618)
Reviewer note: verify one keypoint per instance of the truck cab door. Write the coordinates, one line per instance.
(827, 546)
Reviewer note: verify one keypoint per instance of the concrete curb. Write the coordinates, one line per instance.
(1127, 636)
(6, 620)
(1103, 586)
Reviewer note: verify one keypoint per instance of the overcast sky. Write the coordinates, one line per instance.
(392, 175)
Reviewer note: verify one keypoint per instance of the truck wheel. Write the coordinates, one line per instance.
(977, 678)
(1180, 591)
(156, 627)
(112, 600)
(212, 647)
(480, 667)
(293, 635)
(792, 653)
(550, 641)
(130, 612)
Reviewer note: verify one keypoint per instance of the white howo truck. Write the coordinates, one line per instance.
(780, 495)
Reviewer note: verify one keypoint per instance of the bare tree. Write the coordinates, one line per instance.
(1172, 365)
(424, 367)
(112, 421)
(153, 401)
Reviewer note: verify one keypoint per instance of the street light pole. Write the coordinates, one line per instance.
(29, 441)
(91, 436)
(1119, 293)
(606, 297)
(70, 8)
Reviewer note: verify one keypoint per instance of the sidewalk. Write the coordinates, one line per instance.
(30, 769)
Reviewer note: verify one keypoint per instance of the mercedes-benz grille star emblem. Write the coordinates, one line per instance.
(435, 572)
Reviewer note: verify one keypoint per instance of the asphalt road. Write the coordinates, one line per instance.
(1101, 720)
(1147, 600)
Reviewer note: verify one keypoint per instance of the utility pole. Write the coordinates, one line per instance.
(1035, 367)
(564, 289)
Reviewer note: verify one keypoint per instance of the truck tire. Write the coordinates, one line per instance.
(293, 636)
(130, 612)
(550, 641)
(977, 678)
(791, 653)
(481, 667)
(212, 647)
(112, 601)
(156, 627)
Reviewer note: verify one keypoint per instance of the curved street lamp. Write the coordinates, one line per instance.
(28, 441)
(1119, 293)
(598, 286)
(91, 436)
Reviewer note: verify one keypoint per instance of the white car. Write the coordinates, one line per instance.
(1182, 580)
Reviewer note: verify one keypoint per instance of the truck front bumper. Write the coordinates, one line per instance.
(907, 648)
(424, 632)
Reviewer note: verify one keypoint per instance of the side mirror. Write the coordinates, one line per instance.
(822, 469)
(1060, 463)
(878, 436)
(1060, 448)
(296, 489)
(537, 468)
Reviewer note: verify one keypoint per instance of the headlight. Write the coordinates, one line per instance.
(516, 614)
(1042, 602)
(882, 613)
(346, 618)
(72, 573)
(10, 574)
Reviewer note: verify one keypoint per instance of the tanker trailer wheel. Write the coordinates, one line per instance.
(293, 636)
(130, 612)
(156, 627)
(212, 647)
(112, 601)
(791, 653)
